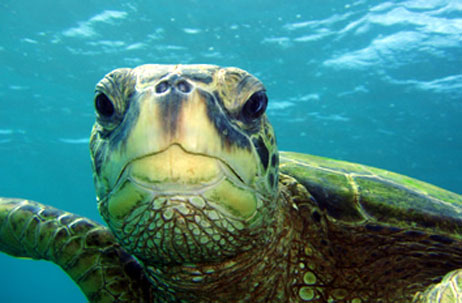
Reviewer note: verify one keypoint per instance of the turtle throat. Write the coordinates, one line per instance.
(237, 275)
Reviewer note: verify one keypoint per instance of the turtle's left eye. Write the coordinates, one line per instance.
(255, 106)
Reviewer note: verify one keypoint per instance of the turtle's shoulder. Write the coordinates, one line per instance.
(355, 193)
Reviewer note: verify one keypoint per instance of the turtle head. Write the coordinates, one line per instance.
(185, 161)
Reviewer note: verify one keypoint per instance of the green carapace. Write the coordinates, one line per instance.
(201, 207)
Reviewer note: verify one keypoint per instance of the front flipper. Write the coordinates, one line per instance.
(85, 250)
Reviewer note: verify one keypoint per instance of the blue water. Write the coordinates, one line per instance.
(367, 81)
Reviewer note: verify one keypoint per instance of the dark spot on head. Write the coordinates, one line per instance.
(229, 134)
(261, 150)
(170, 106)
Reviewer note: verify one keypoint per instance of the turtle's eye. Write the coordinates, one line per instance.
(255, 106)
(104, 106)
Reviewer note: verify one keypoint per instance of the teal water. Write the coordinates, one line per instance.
(376, 82)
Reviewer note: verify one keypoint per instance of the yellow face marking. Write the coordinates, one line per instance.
(239, 202)
(174, 165)
(124, 199)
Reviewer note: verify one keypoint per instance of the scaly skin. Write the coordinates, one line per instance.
(383, 229)
(85, 250)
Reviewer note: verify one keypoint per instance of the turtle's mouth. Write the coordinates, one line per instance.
(175, 170)
(180, 177)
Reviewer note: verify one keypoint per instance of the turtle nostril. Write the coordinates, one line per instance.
(162, 87)
(183, 86)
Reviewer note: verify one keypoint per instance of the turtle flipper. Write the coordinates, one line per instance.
(85, 250)
(449, 290)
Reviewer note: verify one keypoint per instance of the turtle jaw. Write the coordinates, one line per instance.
(177, 172)
(164, 210)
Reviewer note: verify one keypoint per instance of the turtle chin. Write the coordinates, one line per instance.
(166, 216)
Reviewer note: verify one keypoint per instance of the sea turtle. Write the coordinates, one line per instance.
(201, 207)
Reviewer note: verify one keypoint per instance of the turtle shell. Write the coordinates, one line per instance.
(362, 195)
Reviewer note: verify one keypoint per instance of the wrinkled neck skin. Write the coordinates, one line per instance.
(260, 274)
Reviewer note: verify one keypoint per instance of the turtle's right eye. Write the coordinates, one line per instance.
(255, 106)
(104, 106)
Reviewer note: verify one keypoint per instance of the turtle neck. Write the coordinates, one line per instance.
(261, 274)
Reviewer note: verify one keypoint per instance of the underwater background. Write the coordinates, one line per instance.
(375, 82)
